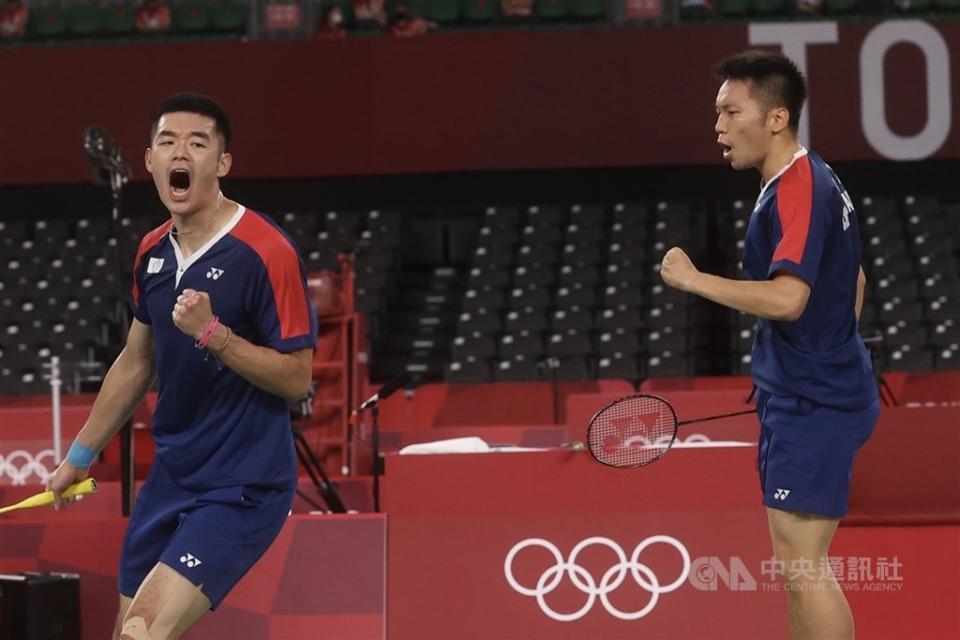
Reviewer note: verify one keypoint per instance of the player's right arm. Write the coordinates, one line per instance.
(123, 388)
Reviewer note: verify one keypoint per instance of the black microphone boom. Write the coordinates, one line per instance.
(384, 392)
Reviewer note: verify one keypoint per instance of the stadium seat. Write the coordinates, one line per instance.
(668, 364)
(588, 274)
(477, 343)
(519, 368)
(537, 253)
(572, 318)
(570, 342)
(471, 370)
(524, 342)
(618, 340)
(532, 276)
(734, 8)
(574, 368)
(525, 319)
(483, 297)
(229, 16)
(618, 366)
(577, 294)
(48, 21)
(84, 19)
(481, 319)
(530, 296)
(480, 10)
(619, 316)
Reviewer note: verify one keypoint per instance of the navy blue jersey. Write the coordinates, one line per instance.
(212, 428)
(804, 223)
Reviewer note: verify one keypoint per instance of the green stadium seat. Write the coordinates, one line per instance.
(118, 18)
(551, 9)
(229, 15)
(841, 6)
(769, 7)
(444, 11)
(480, 10)
(590, 9)
(734, 8)
(190, 16)
(84, 19)
(418, 8)
(48, 21)
(913, 6)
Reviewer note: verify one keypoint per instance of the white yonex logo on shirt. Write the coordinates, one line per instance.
(781, 494)
(214, 273)
(190, 561)
(154, 265)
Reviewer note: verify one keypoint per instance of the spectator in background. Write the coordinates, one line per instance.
(153, 16)
(331, 27)
(516, 8)
(13, 19)
(369, 14)
(810, 7)
(406, 25)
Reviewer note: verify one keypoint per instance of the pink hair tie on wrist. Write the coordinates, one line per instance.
(207, 333)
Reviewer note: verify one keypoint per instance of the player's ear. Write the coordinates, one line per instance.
(223, 167)
(779, 119)
(147, 160)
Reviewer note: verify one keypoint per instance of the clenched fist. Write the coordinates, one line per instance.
(677, 269)
(192, 312)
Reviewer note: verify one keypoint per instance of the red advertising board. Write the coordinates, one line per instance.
(483, 101)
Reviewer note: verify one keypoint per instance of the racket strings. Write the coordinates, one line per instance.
(632, 432)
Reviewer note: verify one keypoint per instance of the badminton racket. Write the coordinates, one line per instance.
(43, 499)
(637, 430)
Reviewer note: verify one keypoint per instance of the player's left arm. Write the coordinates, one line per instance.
(861, 287)
(783, 297)
(284, 374)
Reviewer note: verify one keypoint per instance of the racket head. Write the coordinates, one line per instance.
(632, 431)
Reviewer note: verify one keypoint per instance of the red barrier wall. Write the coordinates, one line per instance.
(323, 578)
(483, 515)
(482, 101)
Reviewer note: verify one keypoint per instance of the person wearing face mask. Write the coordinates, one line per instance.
(816, 396)
(221, 319)
(332, 27)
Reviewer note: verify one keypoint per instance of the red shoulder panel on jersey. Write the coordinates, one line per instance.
(794, 207)
(149, 241)
(283, 267)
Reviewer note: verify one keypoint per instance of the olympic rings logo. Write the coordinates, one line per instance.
(19, 465)
(551, 578)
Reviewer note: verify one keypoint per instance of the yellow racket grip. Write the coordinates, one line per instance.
(80, 489)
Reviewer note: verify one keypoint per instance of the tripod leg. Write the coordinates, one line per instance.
(317, 475)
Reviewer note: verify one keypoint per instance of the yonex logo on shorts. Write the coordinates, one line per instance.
(190, 561)
(214, 273)
(781, 494)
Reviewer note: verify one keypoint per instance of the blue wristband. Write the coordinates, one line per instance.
(80, 456)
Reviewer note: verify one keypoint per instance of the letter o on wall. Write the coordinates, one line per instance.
(873, 110)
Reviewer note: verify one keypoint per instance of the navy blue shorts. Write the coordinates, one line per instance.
(806, 452)
(212, 538)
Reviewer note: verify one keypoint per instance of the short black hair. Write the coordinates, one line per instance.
(777, 82)
(191, 102)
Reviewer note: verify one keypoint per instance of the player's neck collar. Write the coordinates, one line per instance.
(802, 151)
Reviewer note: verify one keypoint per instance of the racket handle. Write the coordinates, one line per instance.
(46, 498)
(79, 489)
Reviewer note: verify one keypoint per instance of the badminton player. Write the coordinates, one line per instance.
(817, 400)
(221, 321)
